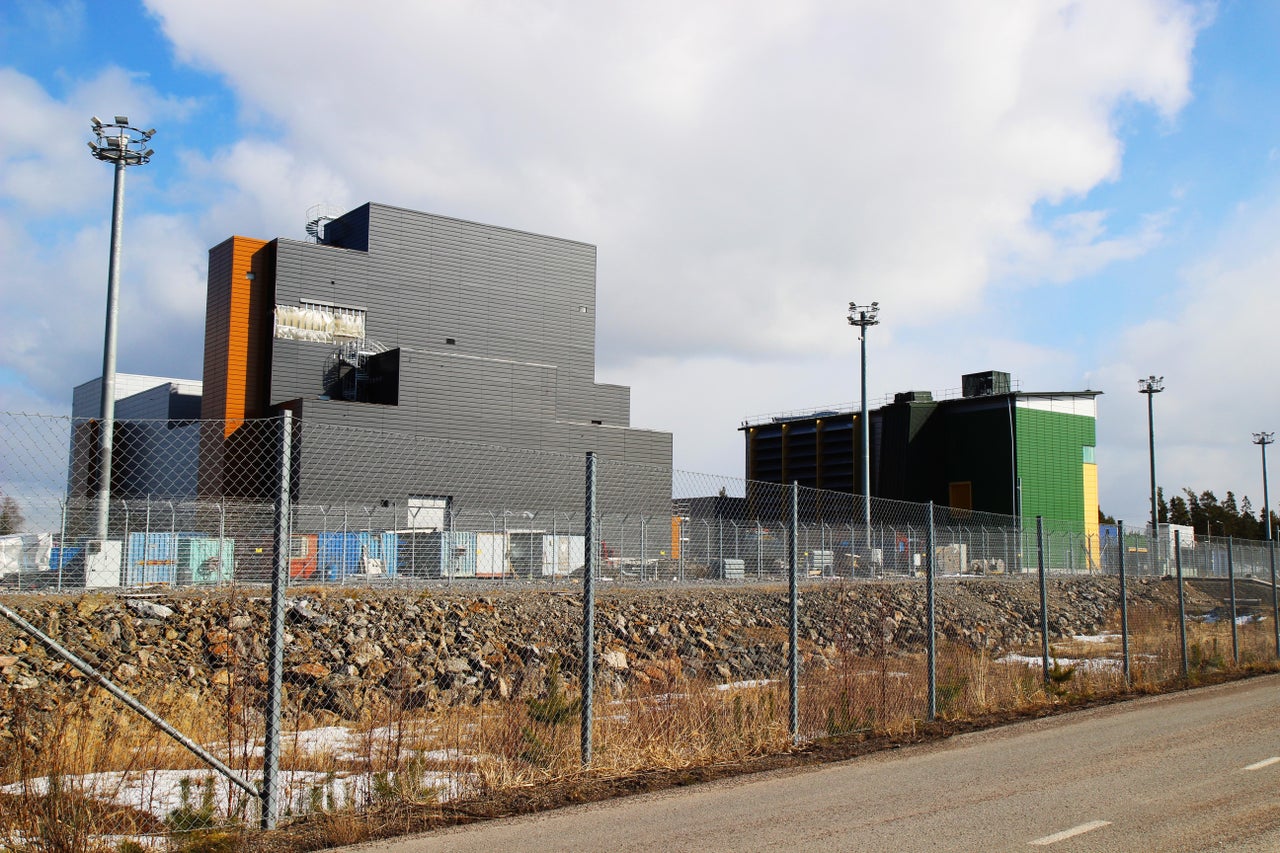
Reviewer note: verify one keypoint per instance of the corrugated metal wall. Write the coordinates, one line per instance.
(496, 331)
(1051, 464)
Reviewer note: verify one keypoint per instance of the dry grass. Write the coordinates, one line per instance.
(396, 756)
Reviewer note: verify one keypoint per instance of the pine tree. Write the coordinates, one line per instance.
(10, 515)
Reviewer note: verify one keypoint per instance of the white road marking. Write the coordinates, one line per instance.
(1070, 833)
(1264, 763)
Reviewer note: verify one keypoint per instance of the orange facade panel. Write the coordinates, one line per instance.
(241, 273)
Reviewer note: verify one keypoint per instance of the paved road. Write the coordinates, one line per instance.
(1189, 772)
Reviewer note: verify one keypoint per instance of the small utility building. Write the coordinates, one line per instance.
(993, 449)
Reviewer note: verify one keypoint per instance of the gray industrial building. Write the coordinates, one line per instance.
(397, 331)
(157, 438)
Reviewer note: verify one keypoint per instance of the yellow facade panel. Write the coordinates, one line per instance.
(1091, 515)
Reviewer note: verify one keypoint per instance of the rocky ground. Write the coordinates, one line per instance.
(346, 648)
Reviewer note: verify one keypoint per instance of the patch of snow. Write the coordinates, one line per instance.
(1081, 664)
(159, 792)
(745, 685)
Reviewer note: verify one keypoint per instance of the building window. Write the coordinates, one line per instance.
(320, 322)
(1088, 454)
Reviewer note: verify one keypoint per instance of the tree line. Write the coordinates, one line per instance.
(1207, 515)
(10, 515)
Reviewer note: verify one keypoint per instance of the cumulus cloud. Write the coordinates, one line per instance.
(745, 171)
(54, 228)
(1215, 350)
(749, 167)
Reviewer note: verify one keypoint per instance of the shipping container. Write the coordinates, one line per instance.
(354, 554)
(205, 561)
(60, 557)
(537, 553)
(491, 555)
(177, 558)
(436, 554)
(303, 554)
(150, 558)
(563, 554)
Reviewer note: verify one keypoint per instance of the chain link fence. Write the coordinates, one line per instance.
(317, 620)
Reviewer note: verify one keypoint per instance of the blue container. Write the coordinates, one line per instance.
(355, 554)
(150, 558)
(180, 558)
(337, 555)
(61, 557)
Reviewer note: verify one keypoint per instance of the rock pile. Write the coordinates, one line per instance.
(346, 648)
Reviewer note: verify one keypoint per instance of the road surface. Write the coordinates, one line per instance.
(1192, 771)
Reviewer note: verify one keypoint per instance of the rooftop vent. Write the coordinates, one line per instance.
(985, 384)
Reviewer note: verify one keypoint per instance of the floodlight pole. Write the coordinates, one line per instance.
(1262, 439)
(1151, 386)
(863, 316)
(122, 145)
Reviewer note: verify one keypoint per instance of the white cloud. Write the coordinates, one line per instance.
(1216, 350)
(1076, 245)
(753, 167)
(55, 211)
(745, 171)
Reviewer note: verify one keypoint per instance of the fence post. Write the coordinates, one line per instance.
(62, 553)
(225, 567)
(1044, 598)
(794, 618)
(275, 640)
(1182, 602)
(931, 574)
(644, 520)
(759, 550)
(1124, 603)
(1231, 580)
(1275, 604)
(589, 610)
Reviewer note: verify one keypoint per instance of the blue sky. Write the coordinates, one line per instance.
(1080, 192)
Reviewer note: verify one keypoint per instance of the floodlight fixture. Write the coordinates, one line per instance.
(864, 315)
(120, 143)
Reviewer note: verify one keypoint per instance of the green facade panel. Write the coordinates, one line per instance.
(1051, 466)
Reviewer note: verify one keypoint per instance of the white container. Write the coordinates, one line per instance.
(102, 561)
(563, 554)
(491, 555)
